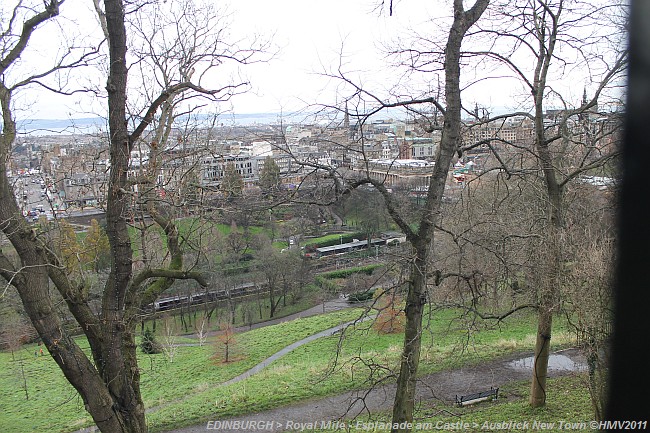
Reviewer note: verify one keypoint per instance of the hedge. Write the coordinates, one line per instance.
(344, 273)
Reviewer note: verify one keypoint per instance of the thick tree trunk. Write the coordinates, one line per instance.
(547, 304)
(407, 379)
(547, 307)
(542, 351)
(109, 384)
(122, 378)
(423, 241)
(105, 386)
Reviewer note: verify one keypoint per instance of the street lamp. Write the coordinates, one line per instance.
(341, 239)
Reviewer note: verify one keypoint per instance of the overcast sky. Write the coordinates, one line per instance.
(309, 36)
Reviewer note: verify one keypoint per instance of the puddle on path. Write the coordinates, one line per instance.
(555, 362)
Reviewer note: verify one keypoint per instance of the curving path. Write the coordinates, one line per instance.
(328, 306)
(443, 386)
(279, 354)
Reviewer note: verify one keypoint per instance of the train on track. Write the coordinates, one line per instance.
(247, 289)
(351, 246)
(178, 301)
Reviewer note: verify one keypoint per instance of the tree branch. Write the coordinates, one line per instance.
(51, 10)
(164, 96)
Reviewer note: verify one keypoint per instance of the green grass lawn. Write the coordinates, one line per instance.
(309, 372)
(54, 406)
(321, 240)
(186, 391)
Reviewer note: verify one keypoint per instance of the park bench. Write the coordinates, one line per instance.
(464, 400)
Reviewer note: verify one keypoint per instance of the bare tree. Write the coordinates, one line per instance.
(201, 329)
(169, 342)
(15, 332)
(108, 380)
(226, 342)
(587, 296)
(420, 239)
(569, 143)
(273, 274)
(390, 318)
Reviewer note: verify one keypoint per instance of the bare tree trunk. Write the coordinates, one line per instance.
(542, 351)
(108, 386)
(23, 378)
(109, 382)
(547, 307)
(551, 263)
(406, 382)
(272, 300)
(422, 241)
(122, 378)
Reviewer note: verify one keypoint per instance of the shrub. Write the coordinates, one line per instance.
(226, 343)
(390, 319)
(363, 296)
(344, 273)
(149, 345)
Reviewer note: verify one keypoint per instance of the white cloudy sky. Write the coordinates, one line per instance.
(309, 35)
(312, 35)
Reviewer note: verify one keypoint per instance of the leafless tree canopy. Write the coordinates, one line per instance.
(177, 49)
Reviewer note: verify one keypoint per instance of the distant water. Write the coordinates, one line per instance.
(88, 125)
(93, 125)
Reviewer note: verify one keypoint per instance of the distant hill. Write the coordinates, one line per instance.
(89, 125)
(57, 126)
(94, 124)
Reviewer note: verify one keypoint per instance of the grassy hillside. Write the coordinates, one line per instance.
(186, 391)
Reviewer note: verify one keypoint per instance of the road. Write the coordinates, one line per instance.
(32, 194)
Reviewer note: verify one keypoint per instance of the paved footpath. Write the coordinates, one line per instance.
(438, 386)
(282, 352)
(309, 414)
(326, 307)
